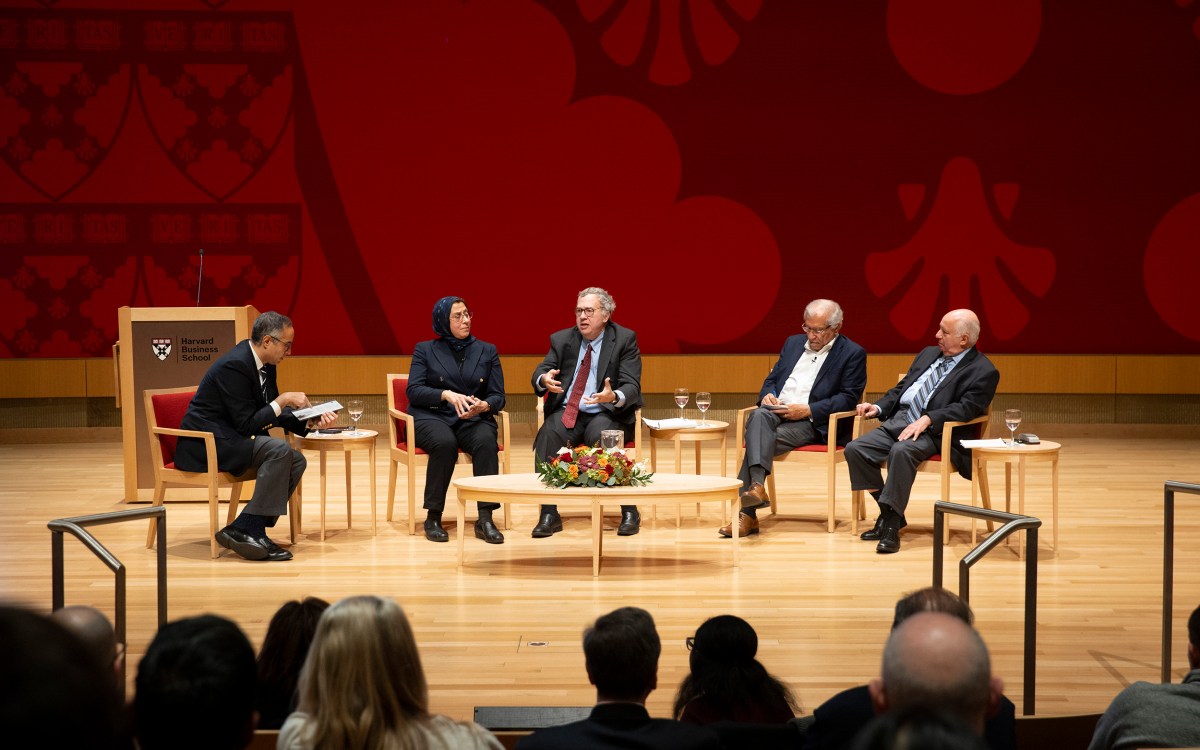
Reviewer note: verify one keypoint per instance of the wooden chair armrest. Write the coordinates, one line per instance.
(540, 409)
(948, 431)
(393, 415)
(505, 440)
(210, 444)
(740, 426)
(834, 418)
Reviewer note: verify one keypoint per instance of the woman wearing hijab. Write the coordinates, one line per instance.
(726, 682)
(455, 388)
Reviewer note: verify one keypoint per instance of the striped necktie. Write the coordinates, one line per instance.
(927, 388)
(263, 373)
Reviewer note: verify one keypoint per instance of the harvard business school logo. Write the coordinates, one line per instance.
(161, 348)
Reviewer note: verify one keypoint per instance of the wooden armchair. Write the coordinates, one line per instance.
(402, 449)
(828, 455)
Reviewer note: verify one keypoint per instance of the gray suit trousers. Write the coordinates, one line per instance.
(866, 456)
(278, 471)
(768, 436)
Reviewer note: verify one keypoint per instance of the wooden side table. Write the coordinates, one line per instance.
(1021, 455)
(712, 430)
(346, 442)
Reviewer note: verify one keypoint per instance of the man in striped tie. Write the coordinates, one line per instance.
(950, 382)
(591, 380)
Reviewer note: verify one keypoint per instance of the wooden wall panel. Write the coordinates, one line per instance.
(731, 373)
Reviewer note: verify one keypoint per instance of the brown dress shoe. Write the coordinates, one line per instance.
(755, 497)
(746, 526)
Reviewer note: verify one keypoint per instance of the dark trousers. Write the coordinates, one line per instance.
(768, 436)
(278, 469)
(587, 429)
(865, 457)
(477, 438)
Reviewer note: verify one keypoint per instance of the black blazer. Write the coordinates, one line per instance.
(838, 387)
(434, 370)
(838, 720)
(621, 725)
(963, 395)
(620, 362)
(229, 403)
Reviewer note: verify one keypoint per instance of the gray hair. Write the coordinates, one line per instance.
(828, 306)
(935, 660)
(606, 301)
(270, 324)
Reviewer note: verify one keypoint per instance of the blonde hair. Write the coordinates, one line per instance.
(362, 683)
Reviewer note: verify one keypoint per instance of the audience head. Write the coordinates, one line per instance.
(362, 681)
(931, 599)
(724, 667)
(1194, 639)
(621, 650)
(935, 660)
(958, 331)
(601, 304)
(917, 728)
(93, 628)
(195, 687)
(54, 690)
(282, 656)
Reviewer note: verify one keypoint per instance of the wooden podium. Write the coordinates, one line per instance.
(166, 347)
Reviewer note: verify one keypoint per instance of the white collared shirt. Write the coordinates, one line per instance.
(799, 384)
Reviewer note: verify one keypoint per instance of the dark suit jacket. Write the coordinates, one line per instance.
(434, 370)
(838, 720)
(621, 725)
(620, 362)
(964, 394)
(838, 387)
(229, 403)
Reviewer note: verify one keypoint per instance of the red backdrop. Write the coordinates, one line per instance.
(713, 163)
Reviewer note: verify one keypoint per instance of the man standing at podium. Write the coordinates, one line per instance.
(238, 401)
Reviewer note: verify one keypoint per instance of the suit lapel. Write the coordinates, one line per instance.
(831, 360)
(446, 365)
(607, 347)
(470, 364)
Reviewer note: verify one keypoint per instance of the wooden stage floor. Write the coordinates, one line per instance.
(821, 603)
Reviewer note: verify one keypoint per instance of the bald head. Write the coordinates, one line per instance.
(936, 660)
(92, 627)
(958, 331)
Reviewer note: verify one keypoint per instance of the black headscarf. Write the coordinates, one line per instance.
(441, 324)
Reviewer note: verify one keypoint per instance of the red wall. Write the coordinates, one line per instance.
(713, 163)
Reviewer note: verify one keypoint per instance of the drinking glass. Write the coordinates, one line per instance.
(355, 406)
(1012, 420)
(611, 440)
(703, 401)
(681, 399)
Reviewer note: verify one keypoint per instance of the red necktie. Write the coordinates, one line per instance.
(581, 378)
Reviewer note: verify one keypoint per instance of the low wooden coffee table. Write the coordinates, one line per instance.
(525, 488)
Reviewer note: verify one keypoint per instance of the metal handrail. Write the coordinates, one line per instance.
(1012, 523)
(1169, 490)
(76, 527)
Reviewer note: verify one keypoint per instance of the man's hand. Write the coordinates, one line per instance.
(866, 410)
(325, 420)
(914, 430)
(606, 396)
(796, 412)
(550, 381)
(293, 399)
(462, 403)
(769, 400)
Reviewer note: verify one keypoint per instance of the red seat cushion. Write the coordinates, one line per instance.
(935, 457)
(169, 409)
(817, 448)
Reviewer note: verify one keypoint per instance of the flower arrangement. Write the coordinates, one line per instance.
(583, 466)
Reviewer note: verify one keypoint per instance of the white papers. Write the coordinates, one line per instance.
(316, 410)
(989, 443)
(669, 424)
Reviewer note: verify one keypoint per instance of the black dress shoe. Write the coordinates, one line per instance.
(251, 548)
(487, 531)
(275, 553)
(550, 523)
(434, 531)
(876, 533)
(631, 523)
(890, 542)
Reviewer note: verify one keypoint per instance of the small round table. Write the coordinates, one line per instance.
(698, 433)
(1022, 455)
(345, 442)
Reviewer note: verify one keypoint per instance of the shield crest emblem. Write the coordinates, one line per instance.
(161, 348)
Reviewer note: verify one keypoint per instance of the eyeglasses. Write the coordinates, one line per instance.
(809, 329)
(586, 312)
(690, 642)
(464, 315)
(287, 345)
